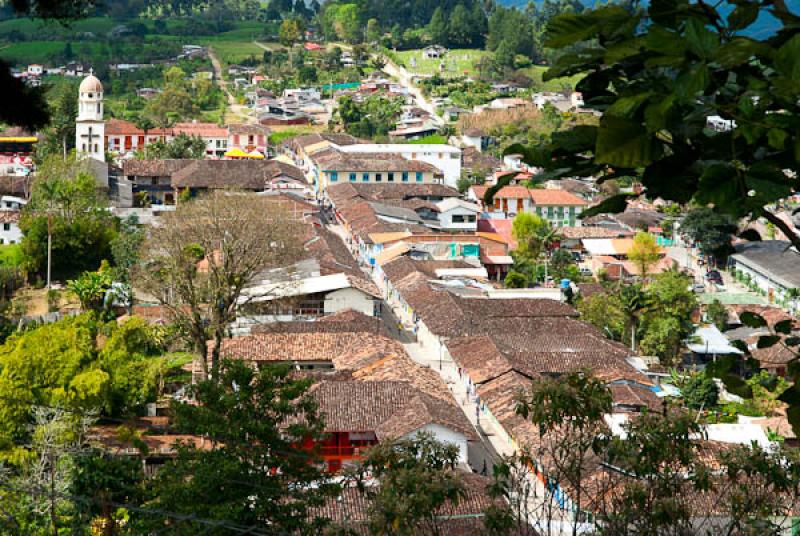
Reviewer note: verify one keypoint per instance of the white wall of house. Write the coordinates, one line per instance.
(348, 298)
(466, 219)
(444, 435)
(472, 141)
(779, 292)
(10, 233)
(444, 157)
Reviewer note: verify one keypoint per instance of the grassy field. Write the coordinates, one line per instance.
(536, 73)
(234, 51)
(38, 51)
(457, 62)
(10, 255)
(280, 133)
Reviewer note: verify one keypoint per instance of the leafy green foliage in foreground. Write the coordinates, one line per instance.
(78, 364)
(657, 76)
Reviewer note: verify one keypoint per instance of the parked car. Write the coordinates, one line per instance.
(697, 288)
(714, 276)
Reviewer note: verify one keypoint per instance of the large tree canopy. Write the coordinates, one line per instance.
(657, 76)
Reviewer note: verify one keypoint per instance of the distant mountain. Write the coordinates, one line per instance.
(763, 27)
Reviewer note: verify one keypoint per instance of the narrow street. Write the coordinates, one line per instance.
(491, 446)
(240, 112)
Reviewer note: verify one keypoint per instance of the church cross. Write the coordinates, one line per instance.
(91, 135)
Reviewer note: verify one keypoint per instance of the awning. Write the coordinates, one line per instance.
(710, 340)
(497, 259)
(236, 153)
(255, 154)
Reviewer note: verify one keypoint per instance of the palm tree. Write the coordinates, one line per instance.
(632, 298)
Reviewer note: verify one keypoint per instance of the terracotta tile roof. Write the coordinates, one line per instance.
(545, 347)
(120, 127)
(334, 257)
(777, 354)
(635, 396)
(308, 346)
(538, 196)
(390, 409)
(153, 168)
(244, 174)
(244, 129)
(373, 162)
(771, 314)
(351, 509)
(339, 193)
(304, 140)
(204, 130)
(592, 232)
(347, 321)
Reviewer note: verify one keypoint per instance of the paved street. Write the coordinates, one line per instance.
(484, 453)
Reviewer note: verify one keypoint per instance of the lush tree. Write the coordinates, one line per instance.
(698, 389)
(569, 414)
(717, 314)
(289, 32)
(374, 117)
(60, 137)
(181, 146)
(60, 365)
(511, 29)
(562, 265)
(438, 27)
(91, 289)
(459, 30)
(416, 478)
(255, 473)
(644, 253)
(604, 311)
(64, 204)
(711, 230)
(633, 303)
(373, 31)
(515, 279)
(126, 248)
(199, 261)
(657, 76)
(533, 234)
(667, 321)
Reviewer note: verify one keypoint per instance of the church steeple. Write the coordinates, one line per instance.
(90, 127)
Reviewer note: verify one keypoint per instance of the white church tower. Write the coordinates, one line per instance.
(90, 127)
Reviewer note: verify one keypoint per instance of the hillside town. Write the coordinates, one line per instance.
(359, 273)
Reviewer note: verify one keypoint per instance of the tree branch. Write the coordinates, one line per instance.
(790, 233)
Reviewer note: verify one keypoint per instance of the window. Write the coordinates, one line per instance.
(464, 218)
(419, 176)
(390, 177)
(365, 177)
(334, 176)
(571, 212)
(6, 226)
(405, 176)
(454, 156)
(378, 177)
(352, 177)
(83, 145)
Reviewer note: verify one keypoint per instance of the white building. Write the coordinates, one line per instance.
(90, 127)
(35, 69)
(444, 157)
(10, 232)
(772, 268)
(458, 215)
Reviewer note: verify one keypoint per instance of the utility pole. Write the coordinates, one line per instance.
(49, 246)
